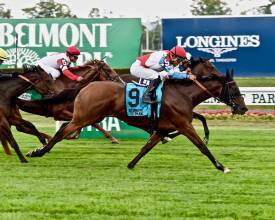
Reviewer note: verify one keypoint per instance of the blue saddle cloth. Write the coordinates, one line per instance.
(135, 107)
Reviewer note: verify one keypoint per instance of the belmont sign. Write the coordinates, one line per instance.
(245, 44)
(96, 38)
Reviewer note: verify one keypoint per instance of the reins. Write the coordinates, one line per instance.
(220, 99)
(203, 88)
(26, 79)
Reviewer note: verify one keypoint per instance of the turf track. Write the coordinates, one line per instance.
(88, 179)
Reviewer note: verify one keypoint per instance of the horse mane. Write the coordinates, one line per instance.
(195, 61)
(88, 63)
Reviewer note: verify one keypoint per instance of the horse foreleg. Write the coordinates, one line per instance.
(153, 140)
(6, 132)
(205, 126)
(65, 130)
(106, 134)
(189, 131)
(29, 128)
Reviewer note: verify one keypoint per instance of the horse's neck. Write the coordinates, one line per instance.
(62, 83)
(192, 92)
(199, 95)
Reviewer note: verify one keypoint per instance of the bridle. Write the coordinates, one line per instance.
(225, 95)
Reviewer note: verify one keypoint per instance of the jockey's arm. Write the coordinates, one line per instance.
(69, 74)
(64, 68)
(174, 74)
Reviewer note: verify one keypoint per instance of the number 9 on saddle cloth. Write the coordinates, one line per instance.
(135, 105)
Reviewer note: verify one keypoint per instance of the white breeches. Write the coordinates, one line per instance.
(50, 70)
(140, 71)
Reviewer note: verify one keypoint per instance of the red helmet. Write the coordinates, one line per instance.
(178, 51)
(73, 50)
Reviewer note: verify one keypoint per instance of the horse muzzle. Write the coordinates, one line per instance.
(239, 110)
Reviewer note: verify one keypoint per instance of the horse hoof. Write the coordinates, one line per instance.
(23, 160)
(32, 154)
(115, 142)
(226, 170)
(131, 166)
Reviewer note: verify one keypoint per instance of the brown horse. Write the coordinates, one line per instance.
(128, 78)
(62, 110)
(10, 89)
(100, 99)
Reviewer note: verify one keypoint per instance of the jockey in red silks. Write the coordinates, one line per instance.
(57, 63)
(161, 65)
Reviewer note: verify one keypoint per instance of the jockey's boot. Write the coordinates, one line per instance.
(149, 95)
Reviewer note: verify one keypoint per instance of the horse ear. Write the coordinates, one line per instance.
(227, 73)
(232, 73)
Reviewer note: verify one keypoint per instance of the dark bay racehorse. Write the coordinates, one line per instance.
(62, 110)
(128, 78)
(101, 99)
(10, 89)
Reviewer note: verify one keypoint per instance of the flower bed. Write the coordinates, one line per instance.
(249, 115)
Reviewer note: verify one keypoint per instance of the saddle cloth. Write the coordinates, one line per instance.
(135, 107)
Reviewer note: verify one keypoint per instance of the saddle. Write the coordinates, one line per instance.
(141, 81)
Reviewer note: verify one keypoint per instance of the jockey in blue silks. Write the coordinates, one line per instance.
(159, 66)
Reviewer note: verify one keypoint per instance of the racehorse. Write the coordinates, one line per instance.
(128, 78)
(91, 71)
(10, 89)
(100, 99)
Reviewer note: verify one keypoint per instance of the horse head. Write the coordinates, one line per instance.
(102, 71)
(39, 80)
(230, 93)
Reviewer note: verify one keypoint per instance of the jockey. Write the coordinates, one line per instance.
(161, 65)
(57, 63)
(3, 57)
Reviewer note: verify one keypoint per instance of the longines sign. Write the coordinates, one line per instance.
(245, 44)
(96, 38)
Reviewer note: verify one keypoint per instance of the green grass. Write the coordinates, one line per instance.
(88, 179)
(255, 81)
